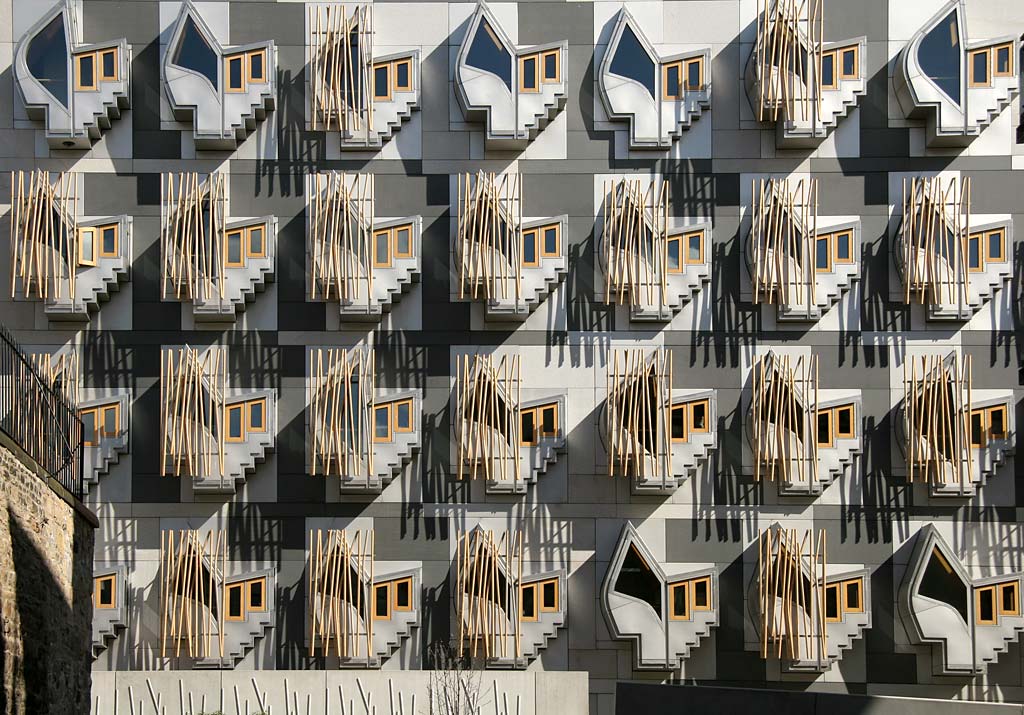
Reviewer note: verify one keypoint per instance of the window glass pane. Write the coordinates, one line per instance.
(976, 428)
(403, 595)
(694, 248)
(979, 67)
(547, 420)
(256, 65)
(995, 423)
(849, 62)
(832, 602)
(256, 594)
(548, 595)
(699, 416)
(679, 597)
(986, 605)
(672, 81)
(821, 257)
(380, 594)
(824, 428)
(700, 593)
(632, 61)
(47, 59)
(235, 73)
(679, 423)
(845, 420)
(110, 240)
(529, 602)
(403, 242)
(89, 426)
(995, 245)
(235, 247)
(674, 259)
(195, 54)
(828, 69)
(87, 71)
(551, 241)
(941, 582)
(974, 252)
(853, 594)
(381, 250)
(88, 248)
(403, 415)
(843, 246)
(107, 60)
(107, 591)
(235, 601)
(529, 78)
(551, 66)
(1009, 597)
(693, 75)
(637, 580)
(1003, 60)
(256, 414)
(530, 247)
(235, 422)
(381, 428)
(380, 81)
(256, 241)
(527, 420)
(487, 54)
(939, 56)
(110, 421)
(402, 75)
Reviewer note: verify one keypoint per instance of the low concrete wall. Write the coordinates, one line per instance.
(319, 692)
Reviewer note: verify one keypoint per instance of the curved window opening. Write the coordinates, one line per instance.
(632, 61)
(941, 583)
(47, 59)
(488, 54)
(194, 52)
(637, 580)
(939, 56)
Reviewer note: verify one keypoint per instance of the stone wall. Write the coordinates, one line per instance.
(45, 593)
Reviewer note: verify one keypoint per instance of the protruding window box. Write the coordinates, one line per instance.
(110, 605)
(105, 434)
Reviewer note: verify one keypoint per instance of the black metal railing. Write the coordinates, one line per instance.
(40, 418)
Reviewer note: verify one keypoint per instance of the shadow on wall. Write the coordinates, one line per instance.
(53, 673)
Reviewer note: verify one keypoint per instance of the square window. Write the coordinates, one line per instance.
(236, 426)
(87, 246)
(675, 257)
(381, 601)
(403, 242)
(979, 68)
(679, 598)
(403, 76)
(256, 246)
(403, 416)
(528, 74)
(403, 595)
(844, 246)
(848, 64)
(233, 249)
(257, 415)
(85, 71)
(236, 605)
(382, 423)
(1004, 61)
(671, 79)
(549, 248)
(549, 595)
(234, 72)
(695, 75)
(823, 253)
(257, 66)
(257, 599)
(382, 248)
(105, 588)
(695, 247)
(382, 82)
(699, 416)
(108, 65)
(550, 66)
(108, 241)
(530, 257)
(828, 71)
(528, 602)
(678, 423)
(995, 250)
(528, 427)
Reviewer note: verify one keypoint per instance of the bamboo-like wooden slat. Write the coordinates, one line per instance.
(791, 589)
(635, 242)
(341, 67)
(489, 570)
(192, 227)
(341, 405)
(489, 237)
(32, 421)
(488, 418)
(935, 229)
(341, 600)
(192, 412)
(638, 422)
(341, 234)
(937, 416)
(44, 234)
(192, 570)
(783, 235)
(784, 408)
(788, 55)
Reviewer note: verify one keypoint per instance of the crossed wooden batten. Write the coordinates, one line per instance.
(489, 571)
(341, 572)
(785, 226)
(934, 232)
(341, 65)
(635, 242)
(341, 264)
(341, 404)
(790, 36)
(784, 410)
(44, 234)
(637, 420)
(489, 418)
(489, 237)
(193, 215)
(192, 389)
(192, 570)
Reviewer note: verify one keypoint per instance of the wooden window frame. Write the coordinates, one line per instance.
(543, 608)
(249, 607)
(971, 82)
(394, 592)
(386, 232)
(839, 603)
(684, 77)
(535, 230)
(228, 88)
(666, 96)
(853, 426)
(678, 239)
(540, 409)
(228, 263)
(82, 232)
(117, 240)
(840, 51)
(859, 583)
(685, 257)
(92, 440)
(977, 606)
(395, 428)
(523, 89)
(693, 593)
(248, 415)
(835, 246)
(982, 431)
(536, 427)
(690, 429)
(523, 588)
(248, 66)
(376, 616)
(383, 406)
(241, 587)
(97, 603)
(1002, 245)
(99, 56)
(386, 66)
(541, 250)
(101, 420)
(672, 616)
(980, 238)
(683, 407)
(830, 248)
(987, 425)
(1015, 585)
(557, 54)
(834, 54)
(830, 416)
(1008, 46)
(394, 75)
(249, 253)
(241, 407)
(394, 241)
(95, 86)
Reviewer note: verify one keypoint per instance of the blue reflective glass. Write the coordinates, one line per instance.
(632, 61)
(487, 54)
(939, 56)
(195, 54)
(47, 59)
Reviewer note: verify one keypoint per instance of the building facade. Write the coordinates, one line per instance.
(647, 341)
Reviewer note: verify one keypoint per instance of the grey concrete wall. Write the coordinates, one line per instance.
(573, 516)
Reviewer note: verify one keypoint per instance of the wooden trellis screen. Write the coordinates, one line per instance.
(789, 43)
(785, 227)
(635, 242)
(490, 235)
(44, 234)
(341, 398)
(341, 228)
(340, 582)
(937, 411)
(192, 411)
(341, 66)
(791, 587)
(488, 572)
(637, 420)
(192, 592)
(192, 215)
(59, 373)
(784, 405)
(936, 225)
(488, 418)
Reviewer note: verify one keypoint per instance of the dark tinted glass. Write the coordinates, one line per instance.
(380, 422)
(679, 423)
(986, 605)
(548, 596)
(547, 420)
(256, 594)
(87, 71)
(550, 240)
(106, 591)
(824, 429)
(1003, 60)
(404, 415)
(380, 81)
(996, 426)
(701, 597)
(402, 594)
(974, 252)
(235, 423)
(256, 65)
(693, 75)
(853, 594)
(109, 240)
(110, 421)
(672, 81)
(674, 259)
(821, 256)
(832, 602)
(995, 245)
(679, 601)
(843, 245)
(550, 66)
(976, 428)
(381, 247)
(195, 54)
(632, 61)
(979, 67)
(828, 70)
(235, 72)
(845, 419)
(89, 426)
(47, 59)
(700, 416)
(402, 74)
(234, 247)
(256, 241)
(939, 56)
(487, 54)
(529, 602)
(402, 241)
(637, 580)
(530, 73)
(849, 62)
(235, 601)
(530, 247)
(256, 414)
(941, 583)
(380, 597)
(693, 248)
(107, 58)
(1009, 596)
(528, 427)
